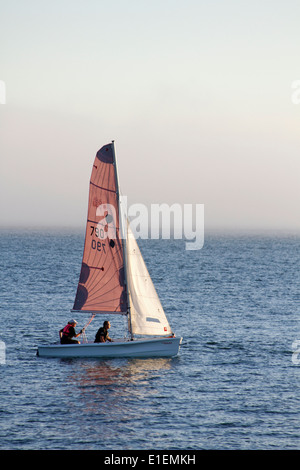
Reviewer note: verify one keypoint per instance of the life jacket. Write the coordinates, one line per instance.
(66, 330)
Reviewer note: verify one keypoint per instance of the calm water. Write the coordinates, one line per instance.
(233, 386)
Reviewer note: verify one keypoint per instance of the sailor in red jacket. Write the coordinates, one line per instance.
(68, 332)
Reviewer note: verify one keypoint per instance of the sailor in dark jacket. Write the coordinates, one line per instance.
(102, 333)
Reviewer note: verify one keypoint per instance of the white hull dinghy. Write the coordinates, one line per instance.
(114, 278)
(155, 347)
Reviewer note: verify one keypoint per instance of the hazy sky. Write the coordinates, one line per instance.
(196, 94)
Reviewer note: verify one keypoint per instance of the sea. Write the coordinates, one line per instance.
(233, 386)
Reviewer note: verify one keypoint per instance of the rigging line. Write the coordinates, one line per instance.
(89, 322)
(101, 187)
(83, 334)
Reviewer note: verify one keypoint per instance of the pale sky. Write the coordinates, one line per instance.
(196, 94)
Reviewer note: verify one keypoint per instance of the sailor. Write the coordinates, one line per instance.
(102, 333)
(68, 332)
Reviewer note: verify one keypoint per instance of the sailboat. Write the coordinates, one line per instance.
(114, 278)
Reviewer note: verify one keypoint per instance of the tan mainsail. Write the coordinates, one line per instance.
(101, 287)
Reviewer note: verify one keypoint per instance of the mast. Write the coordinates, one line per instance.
(123, 237)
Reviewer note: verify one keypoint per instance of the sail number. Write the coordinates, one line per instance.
(98, 232)
(97, 245)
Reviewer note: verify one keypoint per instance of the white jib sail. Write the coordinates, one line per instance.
(147, 314)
